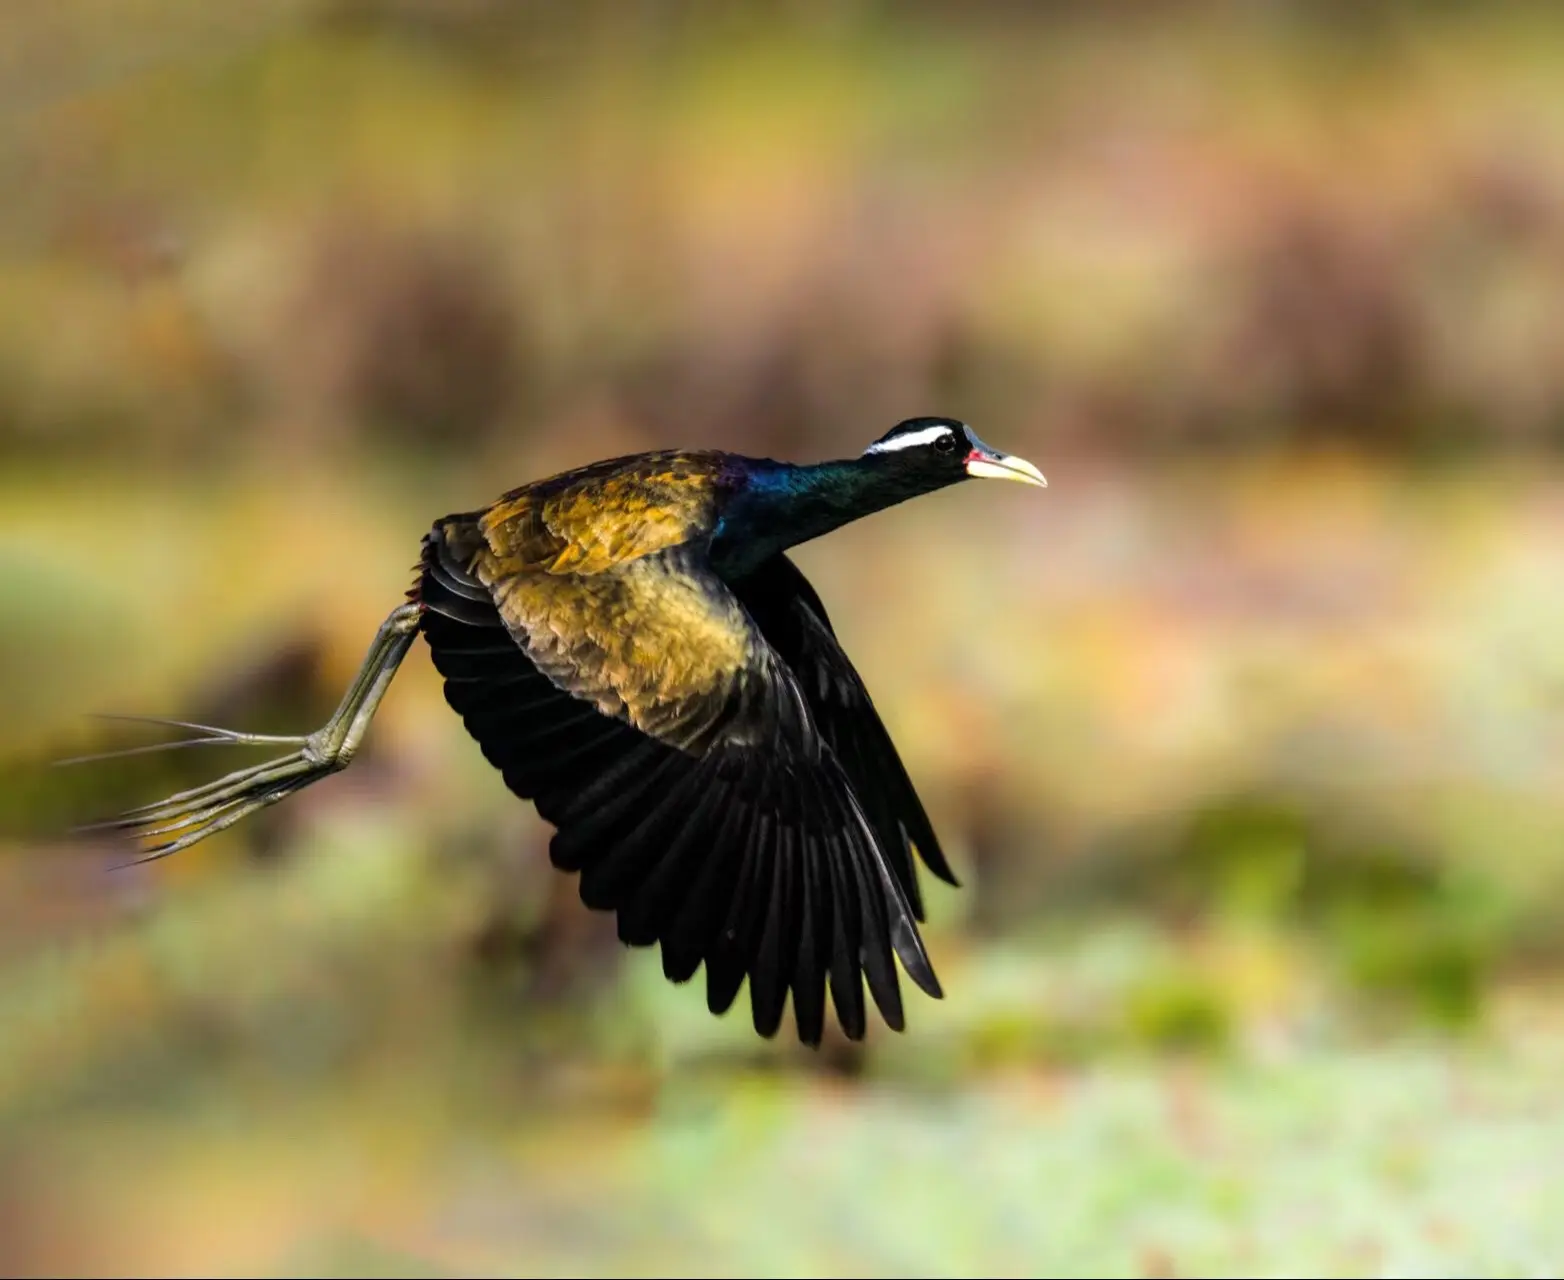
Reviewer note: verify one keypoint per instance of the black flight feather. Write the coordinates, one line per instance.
(789, 613)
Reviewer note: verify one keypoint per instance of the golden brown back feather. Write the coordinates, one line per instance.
(593, 519)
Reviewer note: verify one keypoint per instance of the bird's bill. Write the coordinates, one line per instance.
(989, 464)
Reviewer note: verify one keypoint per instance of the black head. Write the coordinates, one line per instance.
(941, 451)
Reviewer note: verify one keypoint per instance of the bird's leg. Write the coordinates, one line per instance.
(191, 816)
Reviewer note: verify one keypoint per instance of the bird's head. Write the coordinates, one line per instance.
(934, 452)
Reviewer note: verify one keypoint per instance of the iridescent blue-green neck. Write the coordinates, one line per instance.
(777, 505)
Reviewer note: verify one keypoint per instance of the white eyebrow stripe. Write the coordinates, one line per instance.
(909, 441)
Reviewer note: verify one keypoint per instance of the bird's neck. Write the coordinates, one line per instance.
(782, 504)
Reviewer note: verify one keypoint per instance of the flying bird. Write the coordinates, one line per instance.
(632, 649)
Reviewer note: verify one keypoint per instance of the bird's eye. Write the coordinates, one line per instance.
(945, 443)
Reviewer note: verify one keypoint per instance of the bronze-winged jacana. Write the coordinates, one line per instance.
(632, 649)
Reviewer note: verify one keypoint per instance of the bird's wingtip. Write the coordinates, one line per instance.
(909, 947)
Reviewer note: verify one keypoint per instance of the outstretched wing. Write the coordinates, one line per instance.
(634, 700)
(793, 620)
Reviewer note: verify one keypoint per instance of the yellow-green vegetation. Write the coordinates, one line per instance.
(1247, 738)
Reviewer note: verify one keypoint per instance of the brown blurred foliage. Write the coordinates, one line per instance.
(1246, 733)
(769, 227)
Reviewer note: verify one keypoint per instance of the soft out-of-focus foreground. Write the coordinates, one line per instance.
(1246, 737)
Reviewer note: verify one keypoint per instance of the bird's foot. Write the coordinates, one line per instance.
(202, 811)
(192, 815)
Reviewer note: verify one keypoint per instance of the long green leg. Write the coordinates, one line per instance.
(191, 816)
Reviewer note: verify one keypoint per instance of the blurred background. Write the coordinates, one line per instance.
(1246, 738)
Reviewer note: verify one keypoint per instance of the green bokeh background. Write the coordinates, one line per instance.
(1246, 738)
